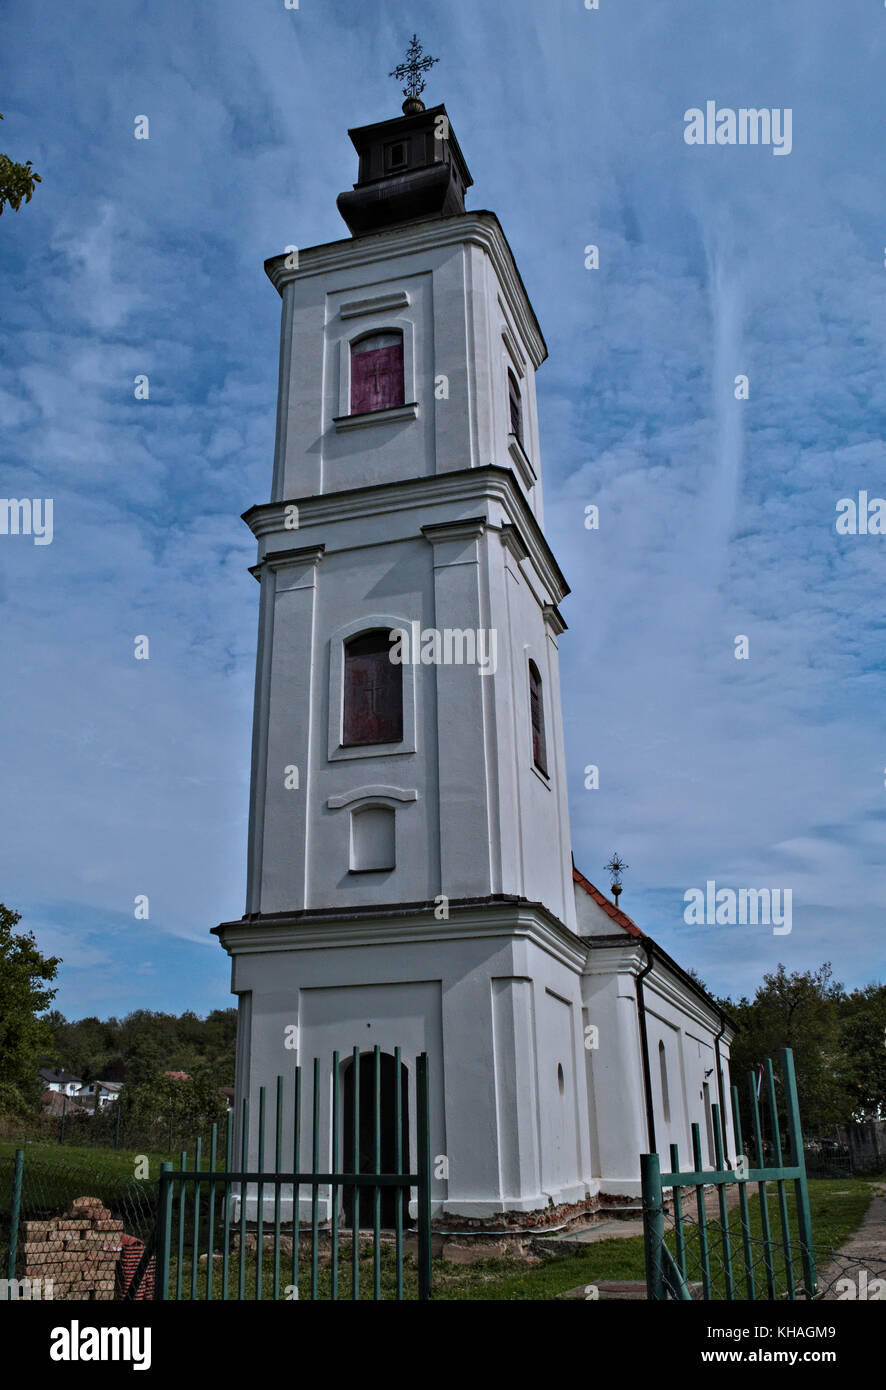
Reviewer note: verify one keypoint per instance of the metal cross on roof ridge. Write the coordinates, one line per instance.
(416, 64)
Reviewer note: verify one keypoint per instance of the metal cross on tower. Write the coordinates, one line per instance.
(416, 63)
(616, 867)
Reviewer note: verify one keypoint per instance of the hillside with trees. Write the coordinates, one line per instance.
(144, 1045)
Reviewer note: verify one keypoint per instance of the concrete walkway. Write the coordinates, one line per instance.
(862, 1253)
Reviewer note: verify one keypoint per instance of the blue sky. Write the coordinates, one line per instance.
(717, 517)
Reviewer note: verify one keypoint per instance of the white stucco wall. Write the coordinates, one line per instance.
(677, 1017)
(494, 998)
(473, 816)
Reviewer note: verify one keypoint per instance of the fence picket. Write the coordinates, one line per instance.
(744, 1214)
(666, 1276)
(782, 1195)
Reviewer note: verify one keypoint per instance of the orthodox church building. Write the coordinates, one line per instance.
(410, 872)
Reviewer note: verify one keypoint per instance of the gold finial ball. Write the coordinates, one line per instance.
(412, 106)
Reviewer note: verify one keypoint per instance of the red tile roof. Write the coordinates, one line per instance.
(609, 908)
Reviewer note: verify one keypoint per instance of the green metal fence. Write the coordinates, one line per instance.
(770, 1267)
(213, 1228)
(237, 1231)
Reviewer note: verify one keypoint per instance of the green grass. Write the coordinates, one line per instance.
(387, 1275)
(109, 1162)
(837, 1207)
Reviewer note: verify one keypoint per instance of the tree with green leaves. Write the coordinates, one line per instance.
(17, 182)
(799, 1010)
(24, 1036)
(862, 1024)
(187, 1100)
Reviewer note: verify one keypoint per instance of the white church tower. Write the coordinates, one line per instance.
(410, 877)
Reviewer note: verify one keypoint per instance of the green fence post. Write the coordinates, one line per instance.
(424, 1177)
(336, 1191)
(703, 1245)
(740, 1159)
(719, 1127)
(769, 1078)
(260, 1200)
(376, 1191)
(358, 1191)
(761, 1187)
(210, 1237)
(164, 1232)
(14, 1215)
(801, 1190)
(653, 1225)
(315, 1190)
(278, 1190)
(677, 1199)
(398, 1120)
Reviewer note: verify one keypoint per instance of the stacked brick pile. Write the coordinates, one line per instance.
(78, 1251)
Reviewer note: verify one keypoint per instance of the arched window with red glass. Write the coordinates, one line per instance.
(373, 691)
(537, 714)
(377, 372)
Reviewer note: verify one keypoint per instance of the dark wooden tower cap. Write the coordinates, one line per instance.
(411, 168)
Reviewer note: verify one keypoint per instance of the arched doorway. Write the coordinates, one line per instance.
(366, 1139)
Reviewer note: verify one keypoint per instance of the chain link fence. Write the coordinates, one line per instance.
(748, 1265)
(72, 1231)
(113, 1128)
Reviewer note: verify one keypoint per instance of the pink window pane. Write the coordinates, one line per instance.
(373, 695)
(376, 374)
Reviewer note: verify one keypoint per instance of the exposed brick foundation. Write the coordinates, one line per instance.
(504, 1222)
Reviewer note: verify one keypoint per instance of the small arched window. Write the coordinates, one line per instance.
(515, 407)
(377, 372)
(665, 1095)
(537, 712)
(373, 691)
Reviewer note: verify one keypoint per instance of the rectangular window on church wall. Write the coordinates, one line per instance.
(377, 373)
(537, 710)
(373, 693)
(515, 407)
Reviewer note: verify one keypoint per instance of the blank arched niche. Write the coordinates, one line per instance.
(665, 1093)
(373, 839)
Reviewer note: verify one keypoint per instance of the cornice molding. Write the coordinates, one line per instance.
(391, 415)
(479, 228)
(398, 299)
(439, 531)
(376, 792)
(377, 499)
(620, 955)
(285, 559)
(522, 460)
(513, 541)
(311, 931)
(554, 619)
